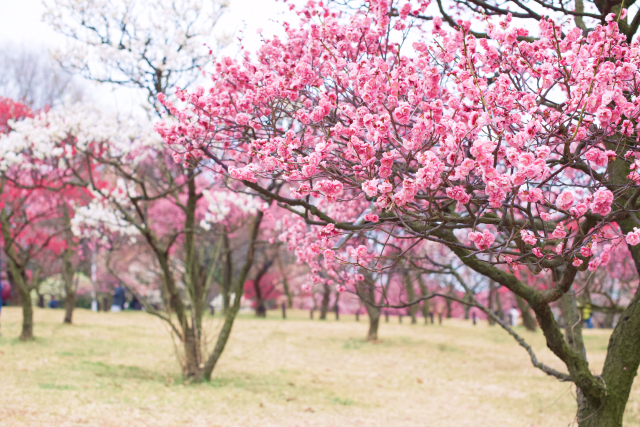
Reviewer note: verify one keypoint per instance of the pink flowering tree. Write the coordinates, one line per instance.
(138, 192)
(227, 216)
(38, 194)
(30, 239)
(11, 111)
(512, 152)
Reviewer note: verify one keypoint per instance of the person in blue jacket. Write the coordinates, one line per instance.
(5, 290)
(118, 299)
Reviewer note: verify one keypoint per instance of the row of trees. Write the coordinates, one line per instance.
(381, 147)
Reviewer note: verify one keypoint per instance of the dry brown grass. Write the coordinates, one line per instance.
(119, 370)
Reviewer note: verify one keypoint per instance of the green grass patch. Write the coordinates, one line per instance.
(342, 401)
(57, 387)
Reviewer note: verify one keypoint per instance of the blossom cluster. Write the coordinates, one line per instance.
(473, 132)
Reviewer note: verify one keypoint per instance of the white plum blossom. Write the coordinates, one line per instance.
(149, 44)
(221, 203)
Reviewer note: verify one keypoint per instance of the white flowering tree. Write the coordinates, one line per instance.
(139, 192)
(152, 45)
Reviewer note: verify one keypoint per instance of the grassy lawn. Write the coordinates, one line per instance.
(119, 369)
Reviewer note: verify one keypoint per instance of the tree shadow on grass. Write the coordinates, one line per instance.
(101, 369)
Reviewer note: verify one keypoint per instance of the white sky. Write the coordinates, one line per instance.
(21, 24)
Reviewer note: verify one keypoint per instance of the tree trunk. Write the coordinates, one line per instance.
(607, 415)
(620, 367)
(27, 314)
(223, 337)
(468, 297)
(573, 337)
(573, 324)
(492, 294)
(336, 307)
(225, 332)
(16, 297)
(619, 372)
(69, 288)
(285, 283)
(324, 308)
(374, 322)
(411, 297)
(69, 305)
(228, 271)
(528, 320)
(261, 309)
(623, 357)
(426, 306)
(368, 291)
(68, 270)
(195, 275)
(95, 305)
(426, 311)
(18, 277)
(191, 354)
(467, 308)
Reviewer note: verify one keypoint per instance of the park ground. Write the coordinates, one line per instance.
(119, 369)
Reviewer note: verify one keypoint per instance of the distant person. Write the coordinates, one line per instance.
(53, 303)
(587, 315)
(5, 291)
(514, 314)
(118, 299)
(135, 304)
